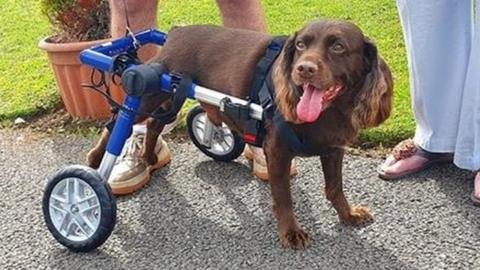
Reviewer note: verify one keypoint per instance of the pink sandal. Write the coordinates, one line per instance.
(407, 158)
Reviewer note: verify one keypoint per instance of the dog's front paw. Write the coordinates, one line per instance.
(295, 238)
(358, 216)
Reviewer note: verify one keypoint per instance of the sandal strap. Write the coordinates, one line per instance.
(408, 148)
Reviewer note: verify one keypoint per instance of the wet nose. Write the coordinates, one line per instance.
(306, 69)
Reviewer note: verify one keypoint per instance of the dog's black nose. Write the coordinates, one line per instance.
(306, 69)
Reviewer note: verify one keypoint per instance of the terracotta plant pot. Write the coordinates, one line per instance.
(70, 74)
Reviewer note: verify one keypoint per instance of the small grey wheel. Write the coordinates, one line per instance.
(78, 208)
(225, 145)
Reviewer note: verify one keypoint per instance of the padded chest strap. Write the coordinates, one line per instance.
(264, 65)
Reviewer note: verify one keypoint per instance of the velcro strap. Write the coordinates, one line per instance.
(179, 96)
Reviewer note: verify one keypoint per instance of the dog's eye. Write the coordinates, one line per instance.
(338, 47)
(300, 45)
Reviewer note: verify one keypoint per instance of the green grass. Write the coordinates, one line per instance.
(26, 82)
(27, 85)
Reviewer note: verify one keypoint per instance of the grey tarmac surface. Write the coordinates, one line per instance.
(201, 214)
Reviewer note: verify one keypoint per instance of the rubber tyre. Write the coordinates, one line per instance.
(238, 143)
(107, 203)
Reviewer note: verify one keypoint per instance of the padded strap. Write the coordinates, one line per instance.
(288, 134)
(180, 91)
(263, 66)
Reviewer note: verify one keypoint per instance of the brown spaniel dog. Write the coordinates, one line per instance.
(329, 82)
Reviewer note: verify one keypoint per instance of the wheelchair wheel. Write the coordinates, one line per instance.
(79, 208)
(225, 145)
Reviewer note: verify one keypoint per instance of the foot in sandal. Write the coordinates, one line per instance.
(408, 158)
(476, 190)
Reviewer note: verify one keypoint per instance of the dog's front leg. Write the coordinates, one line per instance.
(154, 129)
(332, 170)
(279, 161)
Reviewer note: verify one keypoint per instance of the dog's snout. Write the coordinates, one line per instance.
(306, 69)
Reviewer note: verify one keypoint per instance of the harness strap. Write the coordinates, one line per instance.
(263, 66)
(181, 85)
(288, 134)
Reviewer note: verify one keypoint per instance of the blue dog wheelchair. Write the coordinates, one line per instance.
(78, 206)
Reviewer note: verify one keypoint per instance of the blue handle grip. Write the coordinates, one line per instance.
(101, 56)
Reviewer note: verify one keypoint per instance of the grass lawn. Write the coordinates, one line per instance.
(27, 86)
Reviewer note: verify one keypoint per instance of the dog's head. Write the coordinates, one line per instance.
(327, 61)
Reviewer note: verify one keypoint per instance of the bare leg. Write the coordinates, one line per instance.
(332, 169)
(245, 14)
(142, 14)
(476, 190)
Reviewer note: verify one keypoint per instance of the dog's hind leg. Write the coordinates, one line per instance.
(332, 170)
(213, 114)
(94, 156)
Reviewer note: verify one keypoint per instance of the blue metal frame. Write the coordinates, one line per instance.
(102, 57)
(123, 125)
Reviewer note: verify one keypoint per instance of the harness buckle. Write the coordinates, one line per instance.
(234, 110)
(253, 132)
(175, 81)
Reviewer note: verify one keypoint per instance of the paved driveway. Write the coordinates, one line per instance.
(200, 214)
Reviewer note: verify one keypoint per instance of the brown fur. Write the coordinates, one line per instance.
(224, 59)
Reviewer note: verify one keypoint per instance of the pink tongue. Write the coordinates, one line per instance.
(310, 105)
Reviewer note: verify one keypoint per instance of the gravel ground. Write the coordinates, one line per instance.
(201, 214)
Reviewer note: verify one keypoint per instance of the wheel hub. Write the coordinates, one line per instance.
(75, 209)
(222, 138)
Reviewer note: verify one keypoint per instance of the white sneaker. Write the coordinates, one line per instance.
(131, 172)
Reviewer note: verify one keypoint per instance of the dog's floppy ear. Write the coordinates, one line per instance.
(374, 100)
(288, 55)
(286, 98)
(370, 55)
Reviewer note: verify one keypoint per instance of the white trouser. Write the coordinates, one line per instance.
(443, 44)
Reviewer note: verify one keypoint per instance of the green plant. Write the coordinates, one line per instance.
(77, 20)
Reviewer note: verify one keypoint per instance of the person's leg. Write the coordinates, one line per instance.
(475, 196)
(248, 14)
(131, 172)
(142, 15)
(244, 14)
(437, 36)
(467, 148)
